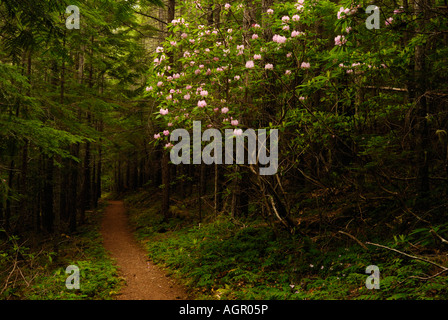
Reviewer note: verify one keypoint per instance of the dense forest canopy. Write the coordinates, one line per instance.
(359, 100)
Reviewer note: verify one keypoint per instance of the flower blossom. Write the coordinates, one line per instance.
(163, 112)
(305, 65)
(279, 39)
(166, 132)
(202, 103)
(224, 110)
(269, 66)
(157, 136)
(250, 64)
(339, 40)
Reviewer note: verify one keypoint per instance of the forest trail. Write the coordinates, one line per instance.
(144, 280)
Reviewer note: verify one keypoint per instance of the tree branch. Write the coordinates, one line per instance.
(409, 256)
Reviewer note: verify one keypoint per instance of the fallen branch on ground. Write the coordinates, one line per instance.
(354, 238)
(409, 256)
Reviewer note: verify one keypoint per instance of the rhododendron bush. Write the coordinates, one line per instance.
(311, 69)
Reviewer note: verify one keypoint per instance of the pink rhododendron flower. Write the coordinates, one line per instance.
(157, 136)
(159, 49)
(255, 36)
(295, 34)
(279, 39)
(288, 55)
(166, 132)
(188, 87)
(149, 88)
(234, 122)
(237, 77)
(160, 83)
(202, 103)
(163, 112)
(250, 64)
(224, 110)
(197, 71)
(257, 56)
(339, 40)
(398, 11)
(270, 11)
(170, 124)
(285, 28)
(187, 96)
(269, 66)
(285, 19)
(227, 6)
(184, 35)
(295, 17)
(204, 93)
(173, 43)
(238, 132)
(388, 21)
(169, 145)
(288, 72)
(305, 65)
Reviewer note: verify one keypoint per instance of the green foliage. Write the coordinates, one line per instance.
(223, 260)
(43, 273)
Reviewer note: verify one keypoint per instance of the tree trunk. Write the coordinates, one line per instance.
(166, 186)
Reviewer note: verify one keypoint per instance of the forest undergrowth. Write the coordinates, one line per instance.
(222, 257)
(35, 269)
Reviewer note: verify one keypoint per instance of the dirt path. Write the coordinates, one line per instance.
(144, 280)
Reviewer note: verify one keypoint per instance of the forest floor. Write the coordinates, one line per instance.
(144, 280)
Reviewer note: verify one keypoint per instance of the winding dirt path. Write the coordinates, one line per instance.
(144, 280)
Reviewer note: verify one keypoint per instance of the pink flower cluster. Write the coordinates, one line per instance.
(339, 40)
(279, 39)
(344, 12)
